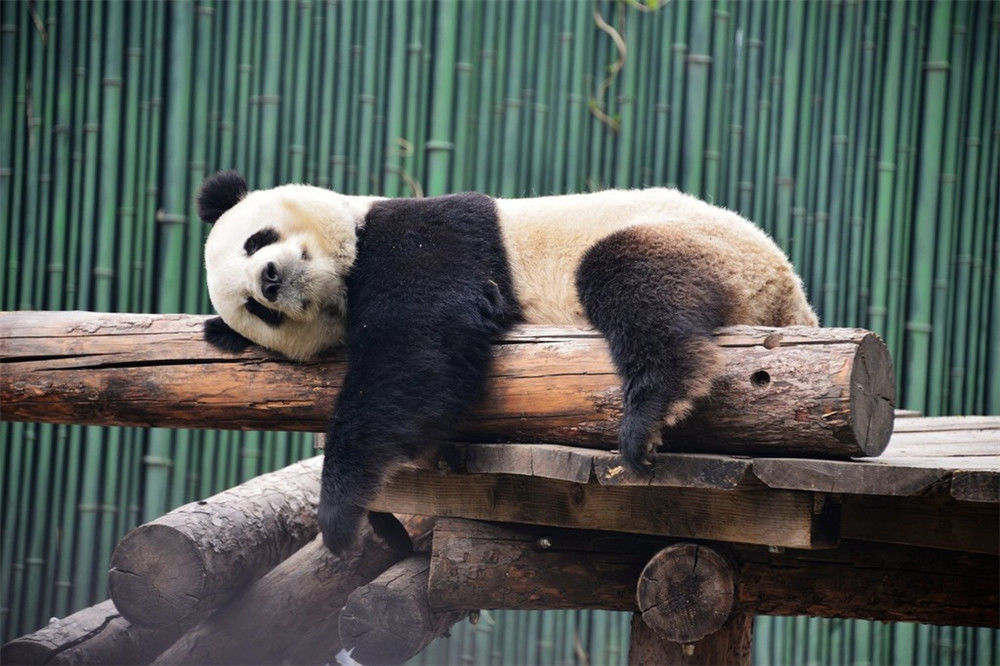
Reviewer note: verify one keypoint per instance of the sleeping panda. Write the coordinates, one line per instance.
(418, 288)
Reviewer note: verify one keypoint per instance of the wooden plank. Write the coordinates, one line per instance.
(832, 476)
(771, 517)
(943, 423)
(976, 486)
(729, 645)
(932, 521)
(948, 463)
(681, 470)
(953, 437)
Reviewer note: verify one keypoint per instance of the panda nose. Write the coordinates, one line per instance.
(270, 280)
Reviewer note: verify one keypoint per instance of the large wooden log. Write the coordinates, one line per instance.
(798, 391)
(95, 635)
(485, 565)
(389, 620)
(291, 614)
(201, 554)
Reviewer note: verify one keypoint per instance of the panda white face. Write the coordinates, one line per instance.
(276, 262)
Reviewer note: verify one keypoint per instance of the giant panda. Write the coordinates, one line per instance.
(417, 288)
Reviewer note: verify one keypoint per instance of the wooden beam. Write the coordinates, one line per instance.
(389, 620)
(817, 392)
(762, 516)
(485, 565)
(95, 635)
(199, 555)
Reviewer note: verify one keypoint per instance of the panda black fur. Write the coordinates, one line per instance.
(418, 288)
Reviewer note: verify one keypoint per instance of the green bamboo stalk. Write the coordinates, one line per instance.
(715, 147)
(925, 230)
(767, 135)
(19, 158)
(536, 175)
(791, 96)
(739, 77)
(943, 295)
(245, 81)
(8, 57)
(128, 257)
(577, 96)
(107, 222)
(750, 124)
(440, 147)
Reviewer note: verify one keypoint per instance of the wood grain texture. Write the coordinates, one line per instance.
(686, 592)
(486, 565)
(199, 555)
(290, 615)
(827, 393)
(760, 515)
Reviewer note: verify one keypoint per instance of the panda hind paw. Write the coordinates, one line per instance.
(339, 526)
(637, 451)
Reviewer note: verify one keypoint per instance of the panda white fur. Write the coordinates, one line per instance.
(417, 289)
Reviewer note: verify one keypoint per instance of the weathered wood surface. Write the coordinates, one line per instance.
(291, 614)
(760, 515)
(730, 645)
(686, 592)
(485, 565)
(802, 391)
(389, 620)
(952, 455)
(95, 635)
(201, 554)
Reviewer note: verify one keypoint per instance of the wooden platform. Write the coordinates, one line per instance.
(937, 485)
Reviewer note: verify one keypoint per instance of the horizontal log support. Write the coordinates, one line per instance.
(799, 391)
(485, 565)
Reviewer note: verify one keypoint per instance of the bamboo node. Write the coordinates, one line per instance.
(937, 65)
(919, 327)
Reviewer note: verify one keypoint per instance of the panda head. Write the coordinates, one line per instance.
(276, 262)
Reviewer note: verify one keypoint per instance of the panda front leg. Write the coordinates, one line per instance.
(655, 300)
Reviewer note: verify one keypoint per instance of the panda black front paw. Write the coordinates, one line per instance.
(637, 446)
(339, 525)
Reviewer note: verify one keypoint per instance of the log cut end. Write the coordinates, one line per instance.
(686, 592)
(172, 579)
(873, 396)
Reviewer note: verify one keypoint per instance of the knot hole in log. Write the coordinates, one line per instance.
(686, 592)
(760, 378)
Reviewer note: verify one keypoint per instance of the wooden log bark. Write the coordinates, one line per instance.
(95, 635)
(686, 592)
(729, 645)
(389, 620)
(798, 391)
(485, 565)
(291, 614)
(199, 555)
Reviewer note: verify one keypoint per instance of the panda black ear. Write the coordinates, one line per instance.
(218, 334)
(219, 193)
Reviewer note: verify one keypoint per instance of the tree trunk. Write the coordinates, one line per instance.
(797, 391)
(291, 614)
(199, 555)
(389, 620)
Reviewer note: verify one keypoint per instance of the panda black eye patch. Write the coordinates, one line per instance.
(260, 239)
(265, 314)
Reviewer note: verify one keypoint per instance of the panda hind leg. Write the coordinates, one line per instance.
(657, 308)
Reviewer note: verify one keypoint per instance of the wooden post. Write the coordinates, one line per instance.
(290, 615)
(729, 645)
(799, 391)
(201, 554)
(95, 635)
(389, 620)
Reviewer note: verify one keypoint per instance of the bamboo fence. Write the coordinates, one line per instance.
(862, 136)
